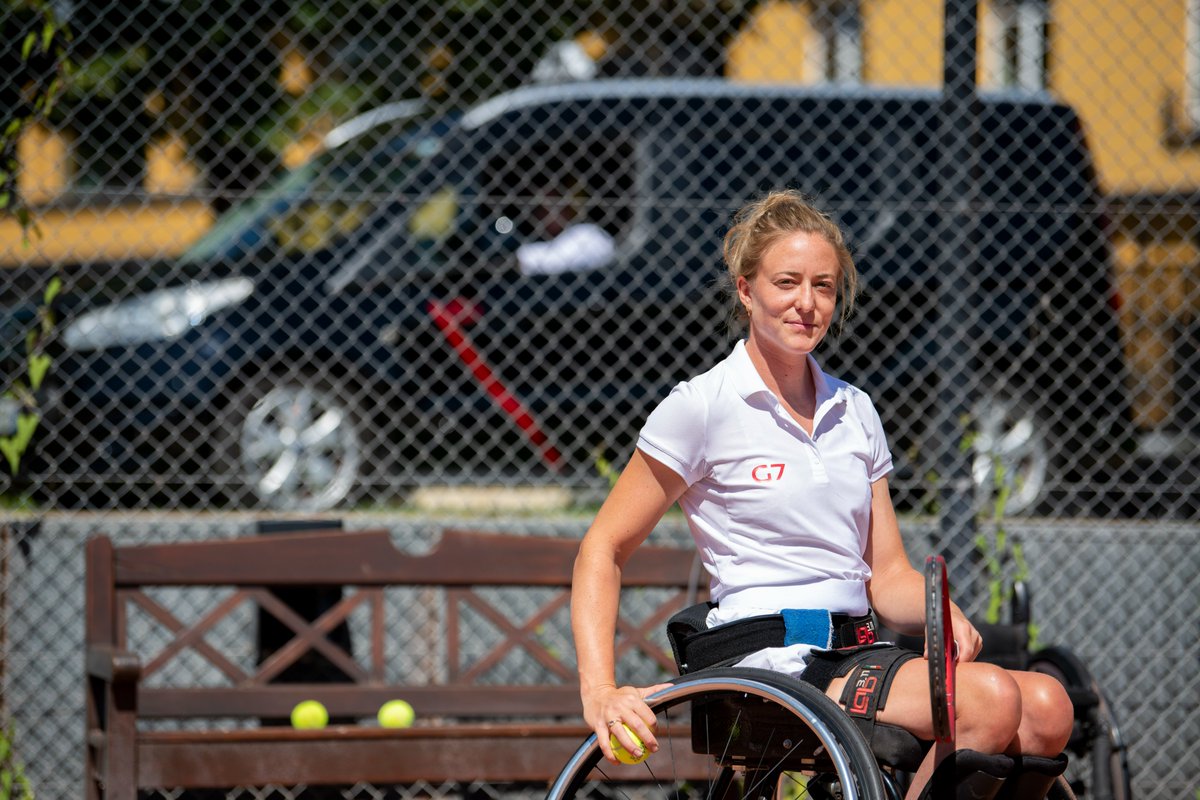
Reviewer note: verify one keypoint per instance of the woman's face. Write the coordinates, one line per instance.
(793, 296)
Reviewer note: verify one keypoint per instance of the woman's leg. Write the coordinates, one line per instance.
(988, 706)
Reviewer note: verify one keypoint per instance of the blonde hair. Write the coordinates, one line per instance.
(761, 223)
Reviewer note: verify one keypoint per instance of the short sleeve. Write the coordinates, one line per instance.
(674, 433)
(878, 454)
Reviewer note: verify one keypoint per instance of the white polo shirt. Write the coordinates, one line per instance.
(780, 517)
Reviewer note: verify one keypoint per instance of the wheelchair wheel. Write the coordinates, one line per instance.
(1099, 763)
(735, 733)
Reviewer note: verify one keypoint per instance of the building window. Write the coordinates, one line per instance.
(1191, 89)
(835, 48)
(1014, 44)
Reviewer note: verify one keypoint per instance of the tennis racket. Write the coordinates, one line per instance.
(942, 652)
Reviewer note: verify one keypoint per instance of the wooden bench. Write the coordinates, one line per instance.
(172, 704)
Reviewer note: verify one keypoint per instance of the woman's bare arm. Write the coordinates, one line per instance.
(642, 494)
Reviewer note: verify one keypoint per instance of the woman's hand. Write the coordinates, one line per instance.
(968, 640)
(606, 708)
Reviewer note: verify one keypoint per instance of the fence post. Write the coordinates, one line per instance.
(958, 120)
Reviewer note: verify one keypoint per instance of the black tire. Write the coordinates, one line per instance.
(1099, 767)
(751, 732)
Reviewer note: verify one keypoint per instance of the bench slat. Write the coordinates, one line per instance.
(349, 754)
(358, 700)
(368, 558)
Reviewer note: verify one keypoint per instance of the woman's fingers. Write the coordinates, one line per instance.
(966, 637)
(625, 715)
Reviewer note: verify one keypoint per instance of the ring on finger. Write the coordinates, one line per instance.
(612, 722)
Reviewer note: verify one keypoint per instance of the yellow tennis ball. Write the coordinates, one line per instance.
(396, 714)
(623, 755)
(309, 714)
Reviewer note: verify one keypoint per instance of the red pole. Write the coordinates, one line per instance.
(457, 338)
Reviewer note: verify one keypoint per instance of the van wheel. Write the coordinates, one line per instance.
(299, 444)
(1012, 452)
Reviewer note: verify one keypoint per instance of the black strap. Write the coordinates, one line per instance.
(697, 646)
(866, 690)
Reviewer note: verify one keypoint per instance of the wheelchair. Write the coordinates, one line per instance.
(758, 734)
(736, 732)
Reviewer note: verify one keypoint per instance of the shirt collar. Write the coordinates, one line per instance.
(748, 382)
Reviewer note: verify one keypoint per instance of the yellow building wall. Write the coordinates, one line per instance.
(159, 227)
(769, 48)
(902, 42)
(1114, 62)
(80, 235)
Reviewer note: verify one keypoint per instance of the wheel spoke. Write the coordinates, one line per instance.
(1018, 440)
(281, 474)
(322, 429)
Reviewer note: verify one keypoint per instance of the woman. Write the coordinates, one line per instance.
(781, 472)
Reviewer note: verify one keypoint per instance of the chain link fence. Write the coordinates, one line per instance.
(361, 255)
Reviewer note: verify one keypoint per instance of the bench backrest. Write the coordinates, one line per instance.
(470, 621)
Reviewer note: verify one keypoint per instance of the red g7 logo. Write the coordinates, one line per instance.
(862, 695)
(767, 472)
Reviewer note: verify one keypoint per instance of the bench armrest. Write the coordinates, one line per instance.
(113, 665)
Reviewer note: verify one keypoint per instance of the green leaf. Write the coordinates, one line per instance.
(27, 46)
(39, 364)
(12, 453)
(5, 197)
(48, 31)
(13, 447)
(52, 290)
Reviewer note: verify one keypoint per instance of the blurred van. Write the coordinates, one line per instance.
(373, 322)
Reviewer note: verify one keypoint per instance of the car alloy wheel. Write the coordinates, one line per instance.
(1011, 452)
(300, 447)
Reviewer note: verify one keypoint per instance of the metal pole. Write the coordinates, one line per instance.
(958, 121)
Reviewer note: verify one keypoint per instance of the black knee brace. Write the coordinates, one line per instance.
(1032, 777)
(968, 775)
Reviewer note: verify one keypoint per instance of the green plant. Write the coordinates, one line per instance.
(13, 783)
(23, 389)
(605, 467)
(41, 73)
(42, 70)
(997, 548)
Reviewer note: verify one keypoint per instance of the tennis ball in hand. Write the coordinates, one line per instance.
(623, 755)
(309, 714)
(396, 714)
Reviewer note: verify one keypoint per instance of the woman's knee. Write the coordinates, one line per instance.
(989, 704)
(1048, 714)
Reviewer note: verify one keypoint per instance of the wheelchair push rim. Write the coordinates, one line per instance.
(808, 712)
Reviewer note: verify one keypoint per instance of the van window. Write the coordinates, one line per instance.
(536, 188)
(321, 203)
